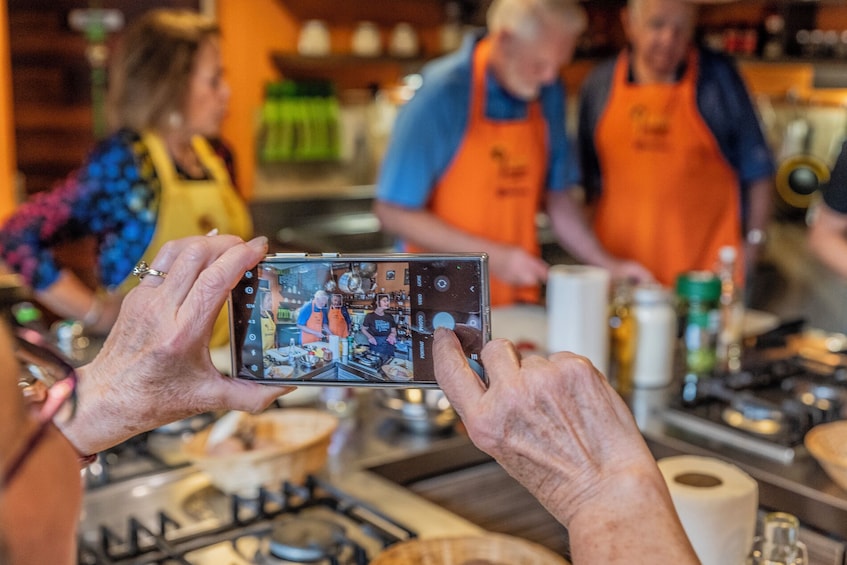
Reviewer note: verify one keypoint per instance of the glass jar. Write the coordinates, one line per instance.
(699, 293)
(655, 321)
(779, 543)
(622, 328)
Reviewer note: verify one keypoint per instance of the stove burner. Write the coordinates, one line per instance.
(754, 417)
(305, 540)
(368, 359)
(826, 397)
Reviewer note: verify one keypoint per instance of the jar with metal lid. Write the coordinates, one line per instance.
(699, 293)
(655, 320)
(779, 543)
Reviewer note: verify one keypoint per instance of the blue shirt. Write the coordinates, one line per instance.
(431, 126)
(306, 312)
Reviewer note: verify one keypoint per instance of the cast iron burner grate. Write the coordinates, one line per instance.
(265, 530)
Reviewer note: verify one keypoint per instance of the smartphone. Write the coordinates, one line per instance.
(356, 319)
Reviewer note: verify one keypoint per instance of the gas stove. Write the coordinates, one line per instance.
(766, 408)
(179, 518)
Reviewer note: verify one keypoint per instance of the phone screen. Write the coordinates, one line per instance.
(356, 320)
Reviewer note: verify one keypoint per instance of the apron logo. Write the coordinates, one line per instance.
(511, 172)
(650, 129)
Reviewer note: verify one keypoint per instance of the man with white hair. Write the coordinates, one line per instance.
(482, 145)
(672, 151)
(313, 318)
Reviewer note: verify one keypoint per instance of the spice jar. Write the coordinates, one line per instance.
(699, 293)
(622, 334)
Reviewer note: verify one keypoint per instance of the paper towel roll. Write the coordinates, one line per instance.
(578, 312)
(717, 503)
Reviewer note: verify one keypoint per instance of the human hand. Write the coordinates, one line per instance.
(630, 270)
(371, 340)
(557, 427)
(154, 367)
(517, 267)
(392, 339)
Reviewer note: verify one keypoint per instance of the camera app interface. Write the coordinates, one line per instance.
(315, 321)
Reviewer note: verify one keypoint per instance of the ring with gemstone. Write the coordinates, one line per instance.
(143, 269)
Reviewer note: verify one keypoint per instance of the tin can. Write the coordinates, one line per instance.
(699, 293)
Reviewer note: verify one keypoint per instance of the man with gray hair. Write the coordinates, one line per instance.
(482, 145)
(313, 319)
(674, 158)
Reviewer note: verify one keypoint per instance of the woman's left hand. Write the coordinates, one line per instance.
(155, 366)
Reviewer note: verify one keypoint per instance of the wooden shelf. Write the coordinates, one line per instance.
(381, 12)
(346, 70)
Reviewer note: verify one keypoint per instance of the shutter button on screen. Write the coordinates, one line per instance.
(442, 283)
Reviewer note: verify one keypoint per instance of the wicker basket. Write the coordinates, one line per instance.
(302, 440)
(484, 549)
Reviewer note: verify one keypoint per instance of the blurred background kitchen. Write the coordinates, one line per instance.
(316, 85)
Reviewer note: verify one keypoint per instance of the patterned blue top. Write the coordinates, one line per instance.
(113, 197)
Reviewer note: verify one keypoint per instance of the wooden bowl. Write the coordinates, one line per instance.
(484, 549)
(299, 442)
(828, 445)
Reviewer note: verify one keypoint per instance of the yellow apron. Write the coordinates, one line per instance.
(194, 207)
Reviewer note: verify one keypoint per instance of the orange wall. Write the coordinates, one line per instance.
(7, 126)
(251, 30)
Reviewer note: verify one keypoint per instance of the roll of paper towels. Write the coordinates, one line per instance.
(578, 312)
(716, 503)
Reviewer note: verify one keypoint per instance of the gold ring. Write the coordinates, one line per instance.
(143, 269)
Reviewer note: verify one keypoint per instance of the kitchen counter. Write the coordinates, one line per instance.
(373, 457)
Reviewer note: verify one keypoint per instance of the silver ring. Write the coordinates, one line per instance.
(143, 269)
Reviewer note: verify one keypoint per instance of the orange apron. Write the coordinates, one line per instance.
(337, 323)
(670, 199)
(316, 323)
(494, 185)
(192, 207)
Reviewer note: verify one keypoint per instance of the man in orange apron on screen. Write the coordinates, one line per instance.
(672, 151)
(481, 148)
(313, 321)
(338, 317)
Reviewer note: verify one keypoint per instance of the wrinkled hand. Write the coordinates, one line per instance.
(155, 366)
(542, 418)
(557, 427)
(515, 266)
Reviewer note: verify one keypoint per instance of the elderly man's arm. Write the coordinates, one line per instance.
(761, 207)
(508, 262)
(571, 228)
